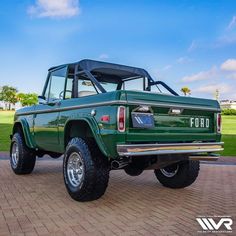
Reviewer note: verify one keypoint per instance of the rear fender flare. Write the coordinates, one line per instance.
(95, 132)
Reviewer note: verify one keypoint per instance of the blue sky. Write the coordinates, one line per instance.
(183, 43)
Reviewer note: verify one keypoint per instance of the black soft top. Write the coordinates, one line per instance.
(98, 71)
(117, 70)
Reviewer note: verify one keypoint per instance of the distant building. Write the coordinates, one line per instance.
(4, 106)
(228, 104)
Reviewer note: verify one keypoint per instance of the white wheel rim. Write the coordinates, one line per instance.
(15, 154)
(169, 173)
(75, 169)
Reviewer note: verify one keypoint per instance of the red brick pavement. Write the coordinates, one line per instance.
(38, 204)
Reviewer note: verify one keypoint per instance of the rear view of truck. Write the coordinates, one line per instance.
(169, 134)
(163, 119)
(110, 118)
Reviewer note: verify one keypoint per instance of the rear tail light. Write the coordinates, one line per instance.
(218, 123)
(121, 119)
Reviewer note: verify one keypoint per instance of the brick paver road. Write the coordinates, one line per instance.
(38, 204)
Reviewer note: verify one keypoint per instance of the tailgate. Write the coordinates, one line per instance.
(164, 118)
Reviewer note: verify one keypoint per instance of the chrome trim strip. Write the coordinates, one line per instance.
(162, 149)
(72, 107)
(167, 152)
(119, 102)
(169, 144)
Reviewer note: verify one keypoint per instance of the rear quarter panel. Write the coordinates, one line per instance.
(105, 133)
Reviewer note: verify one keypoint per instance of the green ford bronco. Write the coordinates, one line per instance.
(105, 116)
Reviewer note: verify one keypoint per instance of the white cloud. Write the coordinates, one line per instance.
(202, 75)
(211, 88)
(54, 8)
(217, 78)
(226, 70)
(183, 60)
(103, 56)
(232, 23)
(232, 76)
(229, 65)
(224, 39)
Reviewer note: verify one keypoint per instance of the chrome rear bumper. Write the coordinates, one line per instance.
(167, 149)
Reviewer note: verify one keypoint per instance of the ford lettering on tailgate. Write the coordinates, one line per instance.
(196, 122)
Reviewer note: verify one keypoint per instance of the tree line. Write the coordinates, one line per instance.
(10, 96)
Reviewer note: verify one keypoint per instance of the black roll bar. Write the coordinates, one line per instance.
(92, 78)
(151, 83)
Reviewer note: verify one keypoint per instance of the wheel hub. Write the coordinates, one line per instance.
(15, 154)
(170, 171)
(75, 169)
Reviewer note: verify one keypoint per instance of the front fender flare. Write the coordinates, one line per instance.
(26, 131)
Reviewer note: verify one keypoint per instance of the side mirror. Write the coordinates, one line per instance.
(42, 100)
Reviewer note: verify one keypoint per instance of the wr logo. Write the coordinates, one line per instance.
(209, 224)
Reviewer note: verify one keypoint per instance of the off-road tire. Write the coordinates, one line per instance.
(132, 171)
(187, 173)
(96, 170)
(26, 156)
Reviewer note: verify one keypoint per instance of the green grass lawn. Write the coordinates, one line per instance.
(228, 131)
(229, 125)
(6, 120)
(229, 135)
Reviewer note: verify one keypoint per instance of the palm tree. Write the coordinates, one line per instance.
(186, 91)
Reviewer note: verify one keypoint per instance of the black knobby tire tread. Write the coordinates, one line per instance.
(96, 180)
(88, 185)
(102, 169)
(133, 171)
(27, 156)
(187, 174)
(191, 174)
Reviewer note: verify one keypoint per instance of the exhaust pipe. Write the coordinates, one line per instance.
(118, 164)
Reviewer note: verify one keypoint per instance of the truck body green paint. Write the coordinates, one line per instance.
(89, 113)
(44, 125)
